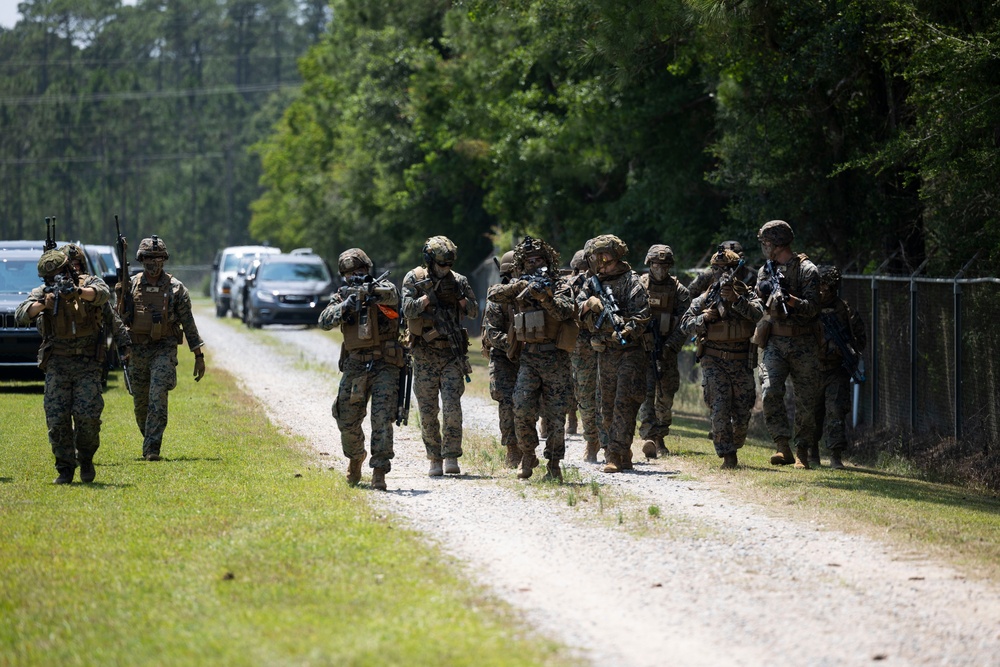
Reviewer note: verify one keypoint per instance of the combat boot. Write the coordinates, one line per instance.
(814, 456)
(528, 463)
(835, 461)
(729, 461)
(625, 460)
(513, 458)
(65, 476)
(571, 423)
(553, 471)
(378, 479)
(436, 469)
(661, 448)
(87, 472)
(783, 456)
(451, 466)
(590, 456)
(802, 458)
(649, 449)
(613, 463)
(354, 470)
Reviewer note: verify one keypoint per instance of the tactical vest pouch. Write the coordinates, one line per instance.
(529, 326)
(761, 333)
(142, 321)
(392, 354)
(359, 389)
(666, 322)
(730, 330)
(568, 333)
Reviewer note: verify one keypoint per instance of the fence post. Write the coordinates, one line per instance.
(913, 345)
(874, 346)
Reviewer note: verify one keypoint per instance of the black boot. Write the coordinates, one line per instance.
(65, 476)
(87, 472)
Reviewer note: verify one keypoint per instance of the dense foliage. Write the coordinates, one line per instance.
(872, 127)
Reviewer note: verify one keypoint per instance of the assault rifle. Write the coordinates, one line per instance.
(834, 330)
(124, 304)
(610, 307)
(714, 297)
(358, 293)
(50, 234)
(403, 389)
(539, 280)
(771, 288)
(446, 322)
(63, 285)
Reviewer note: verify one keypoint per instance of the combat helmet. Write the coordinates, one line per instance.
(660, 253)
(152, 248)
(735, 246)
(725, 258)
(51, 262)
(532, 246)
(777, 232)
(604, 243)
(440, 250)
(829, 275)
(579, 261)
(353, 259)
(507, 263)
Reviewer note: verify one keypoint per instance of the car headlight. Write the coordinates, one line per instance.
(267, 297)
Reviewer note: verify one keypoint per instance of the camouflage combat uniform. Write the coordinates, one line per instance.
(745, 274)
(791, 350)
(497, 322)
(439, 366)
(834, 403)
(370, 363)
(545, 330)
(71, 355)
(158, 318)
(621, 381)
(723, 331)
(668, 301)
(584, 362)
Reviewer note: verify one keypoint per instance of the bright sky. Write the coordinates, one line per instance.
(8, 13)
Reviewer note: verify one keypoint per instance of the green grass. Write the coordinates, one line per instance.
(234, 550)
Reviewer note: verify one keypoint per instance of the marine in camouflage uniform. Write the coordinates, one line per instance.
(668, 301)
(435, 300)
(585, 367)
(158, 318)
(746, 274)
(546, 331)
(723, 321)
(370, 363)
(834, 403)
(71, 355)
(617, 339)
(787, 336)
(500, 347)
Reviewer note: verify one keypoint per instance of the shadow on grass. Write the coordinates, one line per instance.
(185, 459)
(99, 485)
(6, 480)
(33, 388)
(878, 483)
(406, 493)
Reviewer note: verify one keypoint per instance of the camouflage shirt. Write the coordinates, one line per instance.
(45, 322)
(178, 307)
(632, 300)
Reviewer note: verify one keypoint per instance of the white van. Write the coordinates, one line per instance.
(224, 270)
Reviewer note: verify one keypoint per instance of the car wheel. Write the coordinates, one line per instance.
(220, 310)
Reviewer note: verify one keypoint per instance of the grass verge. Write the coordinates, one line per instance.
(234, 550)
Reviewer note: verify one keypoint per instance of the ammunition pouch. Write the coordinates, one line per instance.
(729, 330)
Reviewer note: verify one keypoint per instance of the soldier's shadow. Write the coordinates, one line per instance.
(408, 493)
(644, 470)
(105, 485)
(6, 480)
(183, 459)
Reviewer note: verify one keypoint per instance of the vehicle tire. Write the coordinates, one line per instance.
(220, 310)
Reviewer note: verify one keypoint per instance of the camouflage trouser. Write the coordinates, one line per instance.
(794, 356)
(503, 377)
(357, 387)
(585, 385)
(832, 408)
(73, 407)
(437, 372)
(730, 393)
(543, 375)
(657, 411)
(153, 372)
(622, 388)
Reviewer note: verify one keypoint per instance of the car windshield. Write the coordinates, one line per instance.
(230, 262)
(109, 259)
(292, 272)
(18, 276)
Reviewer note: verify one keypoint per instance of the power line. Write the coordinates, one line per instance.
(35, 100)
(73, 159)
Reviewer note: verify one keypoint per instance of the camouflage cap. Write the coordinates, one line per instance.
(531, 246)
(777, 232)
(353, 259)
(725, 258)
(660, 253)
(579, 261)
(507, 263)
(51, 263)
(152, 248)
(440, 249)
